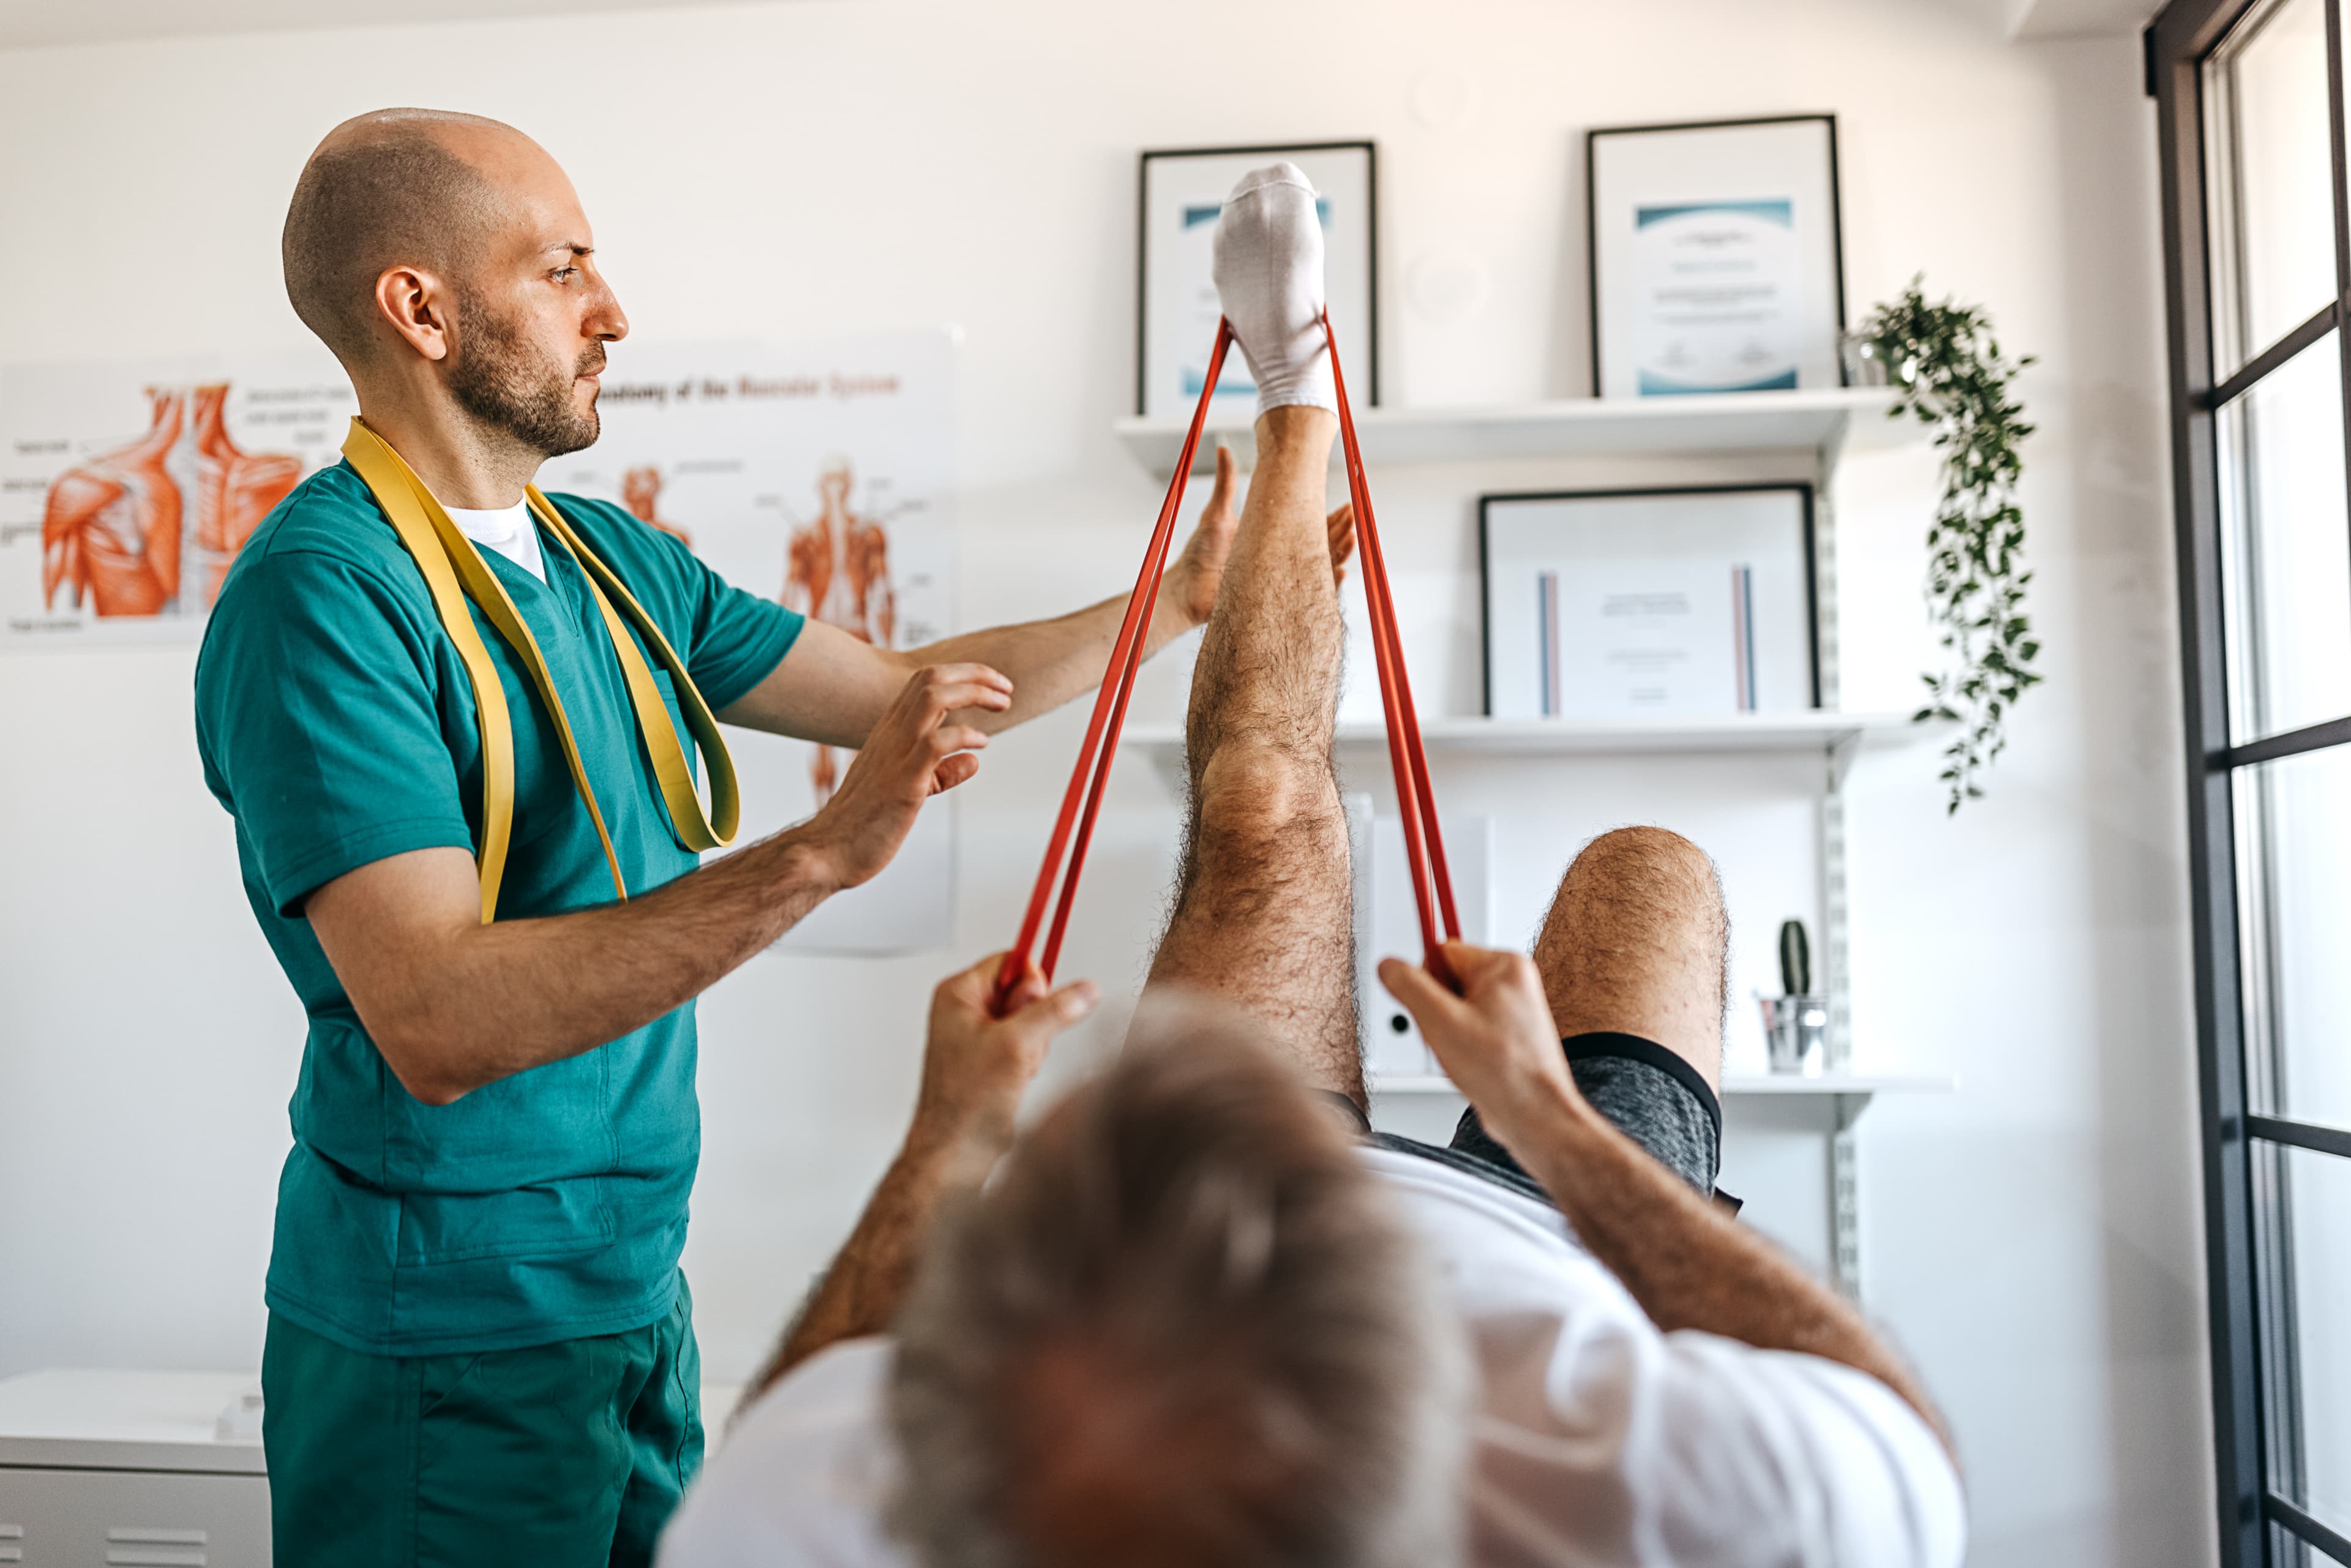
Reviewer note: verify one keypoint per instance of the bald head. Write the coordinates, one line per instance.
(445, 259)
(415, 187)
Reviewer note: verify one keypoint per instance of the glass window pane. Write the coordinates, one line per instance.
(2272, 181)
(2303, 1238)
(2286, 548)
(2293, 910)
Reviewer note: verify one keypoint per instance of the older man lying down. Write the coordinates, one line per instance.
(1203, 1316)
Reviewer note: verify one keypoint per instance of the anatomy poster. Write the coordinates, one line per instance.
(126, 490)
(817, 472)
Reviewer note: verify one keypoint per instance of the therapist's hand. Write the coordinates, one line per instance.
(1188, 592)
(977, 1065)
(920, 748)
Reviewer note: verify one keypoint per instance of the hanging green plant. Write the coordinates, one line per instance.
(1947, 370)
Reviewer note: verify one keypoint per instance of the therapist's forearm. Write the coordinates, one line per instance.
(832, 688)
(1689, 1266)
(1050, 661)
(479, 1003)
(452, 1003)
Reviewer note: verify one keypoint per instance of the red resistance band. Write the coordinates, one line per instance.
(1432, 884)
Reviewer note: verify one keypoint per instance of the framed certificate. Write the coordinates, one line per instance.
(1183, 193)
(1605, 604)
(1715, 256)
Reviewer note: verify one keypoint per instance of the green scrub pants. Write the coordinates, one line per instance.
(570, 1455)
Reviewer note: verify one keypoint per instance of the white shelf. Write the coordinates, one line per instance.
(1808, 730)
(1824, 423)
(1782, 1083)
(1740, 1085)
(85, 1419)
(92, 1420)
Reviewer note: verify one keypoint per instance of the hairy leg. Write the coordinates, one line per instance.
(1263, 899)
(1636, 941)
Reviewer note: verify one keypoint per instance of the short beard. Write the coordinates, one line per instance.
(500, 379)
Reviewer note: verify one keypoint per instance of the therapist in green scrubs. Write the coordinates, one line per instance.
(480, 1348)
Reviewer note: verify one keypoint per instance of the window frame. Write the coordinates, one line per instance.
(2179, 42)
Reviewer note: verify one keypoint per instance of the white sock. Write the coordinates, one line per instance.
(1269, 271)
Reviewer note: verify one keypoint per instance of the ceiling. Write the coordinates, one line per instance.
(29, 22)
(2025, 21)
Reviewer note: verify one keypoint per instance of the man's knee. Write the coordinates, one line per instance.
(1269, 801)
(1647, 857)
(1642, 885)
(1265, 785)
(1636, 941)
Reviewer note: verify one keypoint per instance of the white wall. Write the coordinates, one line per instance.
(2031, 1240)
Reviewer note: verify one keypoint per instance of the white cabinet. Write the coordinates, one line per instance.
(137, 1470)
(128, 1469)
(96, 1519)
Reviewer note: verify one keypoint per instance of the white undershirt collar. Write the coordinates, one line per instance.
(508, 530)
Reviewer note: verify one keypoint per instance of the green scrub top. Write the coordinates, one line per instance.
(337, 725)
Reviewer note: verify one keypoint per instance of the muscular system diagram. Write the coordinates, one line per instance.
(116, 533)
(837, 571)
(110, 526)
(641, 492)
(234, 489)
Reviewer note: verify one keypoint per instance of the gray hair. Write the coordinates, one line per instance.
(1184, 1324)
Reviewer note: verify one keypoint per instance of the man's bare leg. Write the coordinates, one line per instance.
(1263, 900)
(1635, 942)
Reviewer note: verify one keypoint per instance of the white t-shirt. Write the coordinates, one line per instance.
(1601, 1441)
(508, 530)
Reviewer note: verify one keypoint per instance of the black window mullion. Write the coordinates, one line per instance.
(2285, 743)
(2335, 148)
(2178, 43)
(2293, 1521)
(2244, 1148)
(2310, 1135)
(2336, 158)
(2328, 316)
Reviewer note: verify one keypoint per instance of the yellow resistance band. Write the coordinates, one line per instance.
(454, 569)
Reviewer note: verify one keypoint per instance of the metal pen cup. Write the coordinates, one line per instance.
(1863, 364)
(1796, 1029)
